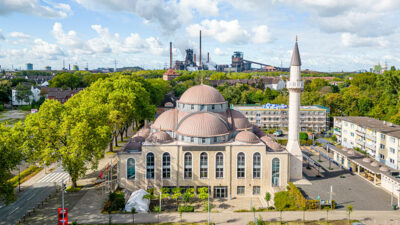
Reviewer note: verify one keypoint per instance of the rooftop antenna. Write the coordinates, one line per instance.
(200, 51)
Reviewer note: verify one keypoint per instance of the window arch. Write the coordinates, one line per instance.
(203, 165)
(257, 165)
(219, 165)
(150, 166)
(240, 165)
(130, 169)
(275, 172)
(166, 165)
(188, 165)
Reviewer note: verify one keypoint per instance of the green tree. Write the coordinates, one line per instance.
(10, 156)
(5, 91)
(267, 198)
(189, 194)
(349, 209)
(177, 193)
(23, 92)
(67, 80)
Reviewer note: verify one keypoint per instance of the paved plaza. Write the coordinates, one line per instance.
(352, 189)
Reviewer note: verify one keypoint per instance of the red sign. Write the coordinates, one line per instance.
(62, 216)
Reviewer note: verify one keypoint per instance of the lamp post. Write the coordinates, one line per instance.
(208, 203)
(19, 179)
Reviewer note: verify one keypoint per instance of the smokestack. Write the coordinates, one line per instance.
(170, 55)
(208, 57)
(69, 66)
(200, 51)
(194, 58)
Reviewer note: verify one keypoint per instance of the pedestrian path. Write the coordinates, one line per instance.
(58, 175)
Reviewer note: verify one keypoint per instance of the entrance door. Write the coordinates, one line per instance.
(220, 192)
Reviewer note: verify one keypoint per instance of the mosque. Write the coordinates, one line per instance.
(203, 142)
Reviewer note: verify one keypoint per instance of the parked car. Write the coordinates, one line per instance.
(278, 133)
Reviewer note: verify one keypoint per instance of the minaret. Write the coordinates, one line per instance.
(295, 87)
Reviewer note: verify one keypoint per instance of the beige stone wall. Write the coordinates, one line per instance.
(230, 176)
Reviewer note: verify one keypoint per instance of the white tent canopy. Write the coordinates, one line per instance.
(136, 201)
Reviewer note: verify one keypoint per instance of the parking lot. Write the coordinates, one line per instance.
(347, 188)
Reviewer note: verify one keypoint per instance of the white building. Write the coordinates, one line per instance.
(35, 96)
(380, 139)
(312, 118)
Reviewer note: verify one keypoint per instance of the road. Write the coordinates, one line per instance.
(26, 201)
(32, 196)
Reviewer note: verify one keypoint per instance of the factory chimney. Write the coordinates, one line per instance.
(194, 59)
(208, 57)
(200, 51)
(170, 55)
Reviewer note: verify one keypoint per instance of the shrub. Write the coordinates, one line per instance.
(282, 141)
(312, 204)
(156, 209)
(303, 136)
(283, 201)
(115, 202)
(333, 206)
(25, 174)
(186, 208)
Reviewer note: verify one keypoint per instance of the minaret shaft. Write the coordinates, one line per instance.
(295, 87)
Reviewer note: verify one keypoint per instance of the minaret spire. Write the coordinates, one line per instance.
(295, 86)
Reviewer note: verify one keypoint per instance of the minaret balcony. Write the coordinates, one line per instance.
(295, 85)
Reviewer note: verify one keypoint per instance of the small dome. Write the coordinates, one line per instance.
(384, 169)
(202, 94)
(246, 137)
(367, 160)
(203, 125)
(160, 137)
(166, 121)
(138, 139)
(350, 152)
(239, 120)
(374, 164)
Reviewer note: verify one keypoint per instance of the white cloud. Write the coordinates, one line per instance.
(261, 34)
(220, 52)
(169, 15)
(69, 39)
(34, 7)
(221, 30)
(204, 7)
(19, 35)
(352, 40)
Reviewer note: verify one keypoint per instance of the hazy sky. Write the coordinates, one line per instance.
(334, 35)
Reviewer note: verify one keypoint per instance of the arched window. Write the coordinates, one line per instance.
(130, 169)
(219, 165)
(188, 165)
(203, 165)
(166, 165)
(150, 166)
(257, 165)
(240, 165)
(275, 172)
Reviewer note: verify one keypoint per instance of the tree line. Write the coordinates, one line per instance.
(77, 133)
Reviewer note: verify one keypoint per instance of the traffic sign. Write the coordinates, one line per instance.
(62, 216)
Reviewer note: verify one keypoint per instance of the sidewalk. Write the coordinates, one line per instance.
(366, 217)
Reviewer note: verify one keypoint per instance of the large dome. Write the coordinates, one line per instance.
(202, 94)
(239, 120)
(203, 125)
(166, 121)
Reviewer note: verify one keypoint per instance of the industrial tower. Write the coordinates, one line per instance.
(295, 86)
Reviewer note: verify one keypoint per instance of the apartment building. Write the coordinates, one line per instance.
(380, 139)
(312, 118)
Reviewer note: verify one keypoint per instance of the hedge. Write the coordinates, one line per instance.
(298, 196)
(186, 208)
(25, 175)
